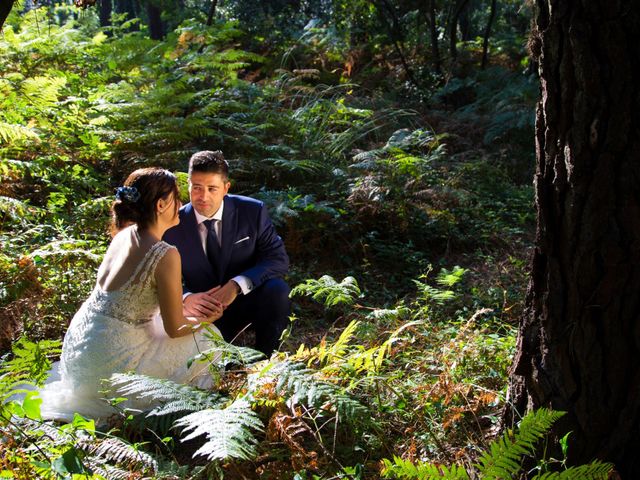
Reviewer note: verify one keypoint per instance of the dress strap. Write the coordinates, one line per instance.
(147, 266)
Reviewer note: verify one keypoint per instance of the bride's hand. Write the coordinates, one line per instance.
(202, 304)
(217, 312)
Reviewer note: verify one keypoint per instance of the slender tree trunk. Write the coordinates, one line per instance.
(579, 339)
(395, 33)
(487, 34)
(466, 27)
(212, 12)
(431, 22)
(106, 7)
(5, 10)
(453, 28)
(156, 29)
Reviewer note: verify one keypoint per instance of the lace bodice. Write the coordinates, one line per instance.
(136, 302)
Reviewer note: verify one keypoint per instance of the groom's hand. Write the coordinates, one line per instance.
(227, 293)
(203, 304)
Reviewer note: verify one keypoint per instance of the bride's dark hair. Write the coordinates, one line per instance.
(136, 200)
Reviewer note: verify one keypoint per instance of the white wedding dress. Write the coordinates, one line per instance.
(113, 333)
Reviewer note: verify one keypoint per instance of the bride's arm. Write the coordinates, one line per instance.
(169, 282)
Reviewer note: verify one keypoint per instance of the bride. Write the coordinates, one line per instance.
(112, 332)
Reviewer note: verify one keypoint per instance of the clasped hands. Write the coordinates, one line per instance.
(210, 305)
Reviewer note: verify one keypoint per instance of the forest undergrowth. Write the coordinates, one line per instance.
(408, 225)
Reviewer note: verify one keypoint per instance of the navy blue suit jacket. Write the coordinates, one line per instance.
(250, 246)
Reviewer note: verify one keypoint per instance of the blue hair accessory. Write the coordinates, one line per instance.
(130, 194)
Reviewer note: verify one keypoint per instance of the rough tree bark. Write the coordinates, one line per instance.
(579, 339)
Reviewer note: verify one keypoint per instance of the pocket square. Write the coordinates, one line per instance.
(241, 240)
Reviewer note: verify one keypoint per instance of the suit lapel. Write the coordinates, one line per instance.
(229, 231)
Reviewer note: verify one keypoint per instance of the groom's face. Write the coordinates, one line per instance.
(206, 191)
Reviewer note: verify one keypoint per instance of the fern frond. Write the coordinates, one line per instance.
(308, 166)
(387, 313)
(448, 278)
(370, 361)
(595, 470)
(42, 91)
(224, 353)
(503, 458)
(116, 450)
(109, 472)
(328, 291)
(229, 432)
(16, 208)
(174, 397)
(301, 385)
(404, 469)
(13, 133)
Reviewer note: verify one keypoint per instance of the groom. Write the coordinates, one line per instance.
(231, 254)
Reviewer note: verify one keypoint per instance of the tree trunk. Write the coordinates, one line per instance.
(156, 29)
(487, 34)
(396, 35)
(128, 7)
(212, 12)
(5, 10)
(431, 21)
(106, 7)
(464, 21)
(453, 28)
(579, 340)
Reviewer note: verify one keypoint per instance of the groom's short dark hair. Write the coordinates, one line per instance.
(209, 161)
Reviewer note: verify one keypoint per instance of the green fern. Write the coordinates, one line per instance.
(595, 470)
(17, 209)
(10, 133)
(229, 431)
(224, 353)
(299, 385)
(117, 451)
(30, 362)
(69, 248)
(405, 469)
(328, 291)
(173, 397)
(503, 458)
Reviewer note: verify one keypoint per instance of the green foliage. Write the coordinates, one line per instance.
(327, 290)
(29, 362)
(503, 457)
(595, 470)
(229, 431)
(300, 386)
(321, 120)
(172, 397)
(38, 449)
(405, 469)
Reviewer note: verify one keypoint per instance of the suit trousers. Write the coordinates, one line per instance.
(265, 310)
